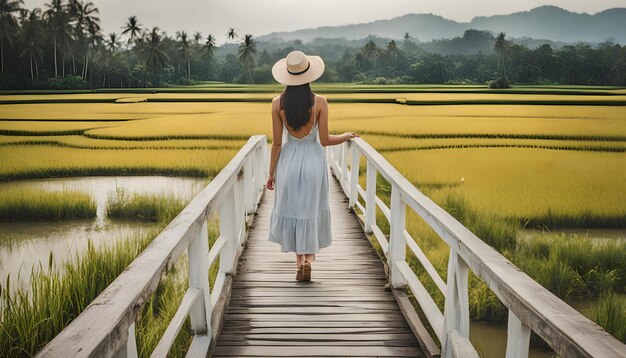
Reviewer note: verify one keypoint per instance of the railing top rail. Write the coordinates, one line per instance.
(102, 327)
(566, 330)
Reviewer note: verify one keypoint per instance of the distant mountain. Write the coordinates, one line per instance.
(545, 22)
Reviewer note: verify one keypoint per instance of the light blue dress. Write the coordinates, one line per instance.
(300, 220)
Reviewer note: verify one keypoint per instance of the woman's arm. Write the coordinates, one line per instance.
(277, 139)
(325, 138)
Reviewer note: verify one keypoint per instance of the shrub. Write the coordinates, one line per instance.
(67, 82)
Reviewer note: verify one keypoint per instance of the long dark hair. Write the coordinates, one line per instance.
(297, 102)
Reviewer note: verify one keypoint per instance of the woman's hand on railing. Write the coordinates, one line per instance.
(270, 182)
(349, 135)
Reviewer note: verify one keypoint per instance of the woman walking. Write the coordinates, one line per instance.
(300, 220)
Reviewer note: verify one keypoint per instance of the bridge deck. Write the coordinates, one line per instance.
(343, 311)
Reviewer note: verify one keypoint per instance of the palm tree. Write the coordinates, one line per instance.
(132, 28)
(58, 21)
(113, 42)
(185, 50)
(231, 34)
(197, 37)
(247, 48)
(30, 37)
(152, 50)
(83, 15)
(8, 24)
(93, 40)
(209, 44)
(392, 51)
(501, 46)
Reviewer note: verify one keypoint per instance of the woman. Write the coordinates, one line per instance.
(300, 220)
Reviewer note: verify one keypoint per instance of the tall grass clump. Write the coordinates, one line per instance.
(147, 207)
(31, 316)
(610, 313)
(38, 204)
(499, 233)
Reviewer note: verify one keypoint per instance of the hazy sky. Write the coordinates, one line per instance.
(259, 17)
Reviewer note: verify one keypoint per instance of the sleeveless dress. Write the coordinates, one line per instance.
(300, 219)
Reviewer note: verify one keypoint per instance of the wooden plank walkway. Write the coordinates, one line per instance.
(343, 311)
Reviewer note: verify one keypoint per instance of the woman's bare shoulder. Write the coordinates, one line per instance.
(321, 98)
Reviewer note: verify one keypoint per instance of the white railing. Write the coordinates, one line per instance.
(106, 328)
(531, 307)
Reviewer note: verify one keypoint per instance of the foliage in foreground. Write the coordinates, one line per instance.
(30, 317)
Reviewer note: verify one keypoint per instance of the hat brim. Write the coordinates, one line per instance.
(279, 71)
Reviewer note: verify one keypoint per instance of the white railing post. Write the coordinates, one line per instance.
(228, 230)
(240, 209)
(354, 176)
(129, 349)
(370, 197)
(201, 311)
(518, 338)
(344, 163)
(248, 177)
(456, 310)
(397, 244)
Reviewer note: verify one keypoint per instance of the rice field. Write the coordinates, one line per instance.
(532, 156)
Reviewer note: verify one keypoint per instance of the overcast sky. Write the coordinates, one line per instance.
(259, 17)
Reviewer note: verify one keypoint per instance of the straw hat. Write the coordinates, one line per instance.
(298, 68)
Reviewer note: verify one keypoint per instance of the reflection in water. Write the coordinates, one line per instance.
(490, 341)
(24, 244)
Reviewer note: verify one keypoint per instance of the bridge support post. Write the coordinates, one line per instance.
(228, 230)
(354, 177)
(129, 349)
(456, 309)
(240, 209)
(397, 243)
(197, 251)
(518, 337)
(370, 197)
(344, 163)
(248, 184)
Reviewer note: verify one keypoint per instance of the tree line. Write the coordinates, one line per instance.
(63, 46)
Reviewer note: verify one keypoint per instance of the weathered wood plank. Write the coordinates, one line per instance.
(324, 351)
(344, 309)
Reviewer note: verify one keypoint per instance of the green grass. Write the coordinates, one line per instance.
(146, 207)
(38, 204)
(610, 312)
(30, 317)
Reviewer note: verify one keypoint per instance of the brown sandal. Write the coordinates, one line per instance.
(306, 271)
(299, 276)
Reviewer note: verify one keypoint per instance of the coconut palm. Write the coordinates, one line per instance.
(185, 49)
(83, 14)
(247, 49)
(8, 24)
(30, 39)
(197, 37)
(132, 28)
(231, 34)
(209, 44)
(112, 42)
(93, 41)
(392, 51)
(501, 46)
(58, 21)
(152, 50)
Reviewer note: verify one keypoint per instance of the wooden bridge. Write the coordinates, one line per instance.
(355, 303)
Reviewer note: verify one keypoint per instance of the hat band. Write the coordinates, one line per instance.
(301, 72)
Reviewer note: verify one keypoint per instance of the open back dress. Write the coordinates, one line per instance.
(300, 219)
